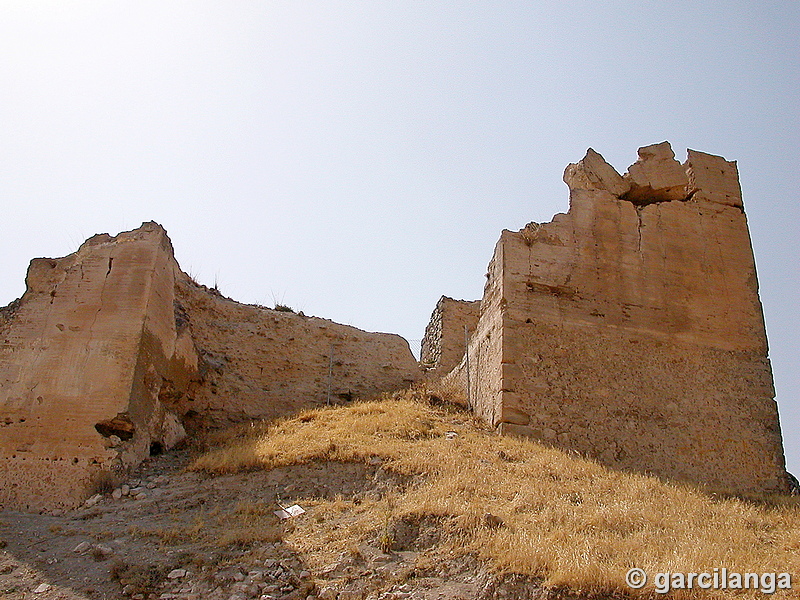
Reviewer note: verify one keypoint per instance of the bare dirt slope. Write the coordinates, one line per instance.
(186, 535)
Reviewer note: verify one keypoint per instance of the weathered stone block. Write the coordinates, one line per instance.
(514, 415)
(714, 178)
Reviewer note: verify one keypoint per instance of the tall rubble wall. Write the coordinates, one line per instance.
(262, 363)
(84, 355)
(444, 341)
(632, 329)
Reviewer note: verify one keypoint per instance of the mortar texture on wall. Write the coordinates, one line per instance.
(84, 356)
(261, 363)
(630, 329)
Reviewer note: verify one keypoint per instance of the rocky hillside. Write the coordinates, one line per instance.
(406, 497)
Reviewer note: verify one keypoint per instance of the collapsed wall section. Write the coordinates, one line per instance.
(631, 327)
(84, 356)
(260, 363)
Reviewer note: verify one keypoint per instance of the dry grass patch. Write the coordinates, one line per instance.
(521, 506)
(355, 433)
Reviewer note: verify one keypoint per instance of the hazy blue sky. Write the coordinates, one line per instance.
(356, 160)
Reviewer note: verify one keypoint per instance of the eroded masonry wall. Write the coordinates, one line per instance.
(260, 363)
(84, 356)
(113, 352)
(450, 325)
(631, 326)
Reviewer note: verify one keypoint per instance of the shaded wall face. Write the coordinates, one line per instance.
(632, 330)
(638, 402)
(260, 363)
(479, 376)
(82, 360)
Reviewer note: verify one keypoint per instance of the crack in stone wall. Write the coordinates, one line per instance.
(69, 361)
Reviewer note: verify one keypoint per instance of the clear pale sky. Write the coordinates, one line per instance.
(356, 160)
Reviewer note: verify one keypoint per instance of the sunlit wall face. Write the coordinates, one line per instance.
(356, 160)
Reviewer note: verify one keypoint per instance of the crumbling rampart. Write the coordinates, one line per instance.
(630, 328)
(260, 363)
(112, 350)
(83, 360)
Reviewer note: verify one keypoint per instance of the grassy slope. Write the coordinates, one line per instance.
(567, 520)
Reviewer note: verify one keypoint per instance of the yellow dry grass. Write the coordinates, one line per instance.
(565, 519)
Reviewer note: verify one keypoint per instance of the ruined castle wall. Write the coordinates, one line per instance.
(99, 365)
(444, 341)
(634, 402)
(632, 329)
(87, 345)
(478, 377)
(261, 363)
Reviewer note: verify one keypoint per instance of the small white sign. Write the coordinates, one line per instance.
(292, 511)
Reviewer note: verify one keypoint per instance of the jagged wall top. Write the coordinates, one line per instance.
(630, 328)
(657, 177)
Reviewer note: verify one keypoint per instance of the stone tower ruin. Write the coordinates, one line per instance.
(630, 328)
